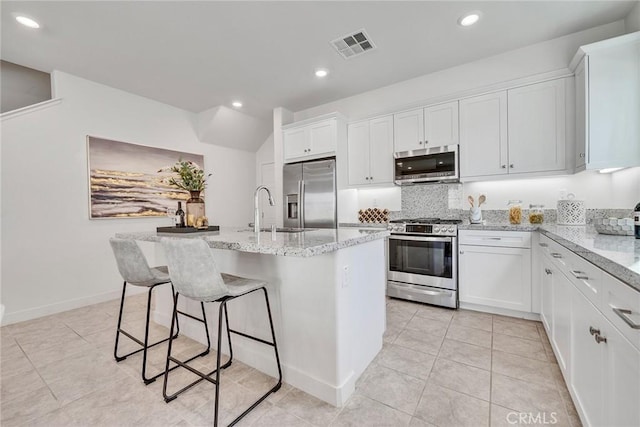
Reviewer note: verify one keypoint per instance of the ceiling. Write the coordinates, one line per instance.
(202, 54)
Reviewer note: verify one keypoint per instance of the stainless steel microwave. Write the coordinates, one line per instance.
(437, 164)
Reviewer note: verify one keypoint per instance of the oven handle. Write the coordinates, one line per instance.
(421, 238)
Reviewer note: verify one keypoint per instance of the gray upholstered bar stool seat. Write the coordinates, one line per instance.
(135, 270)
(195, 275)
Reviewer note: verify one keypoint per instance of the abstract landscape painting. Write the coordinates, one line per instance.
(125, 182)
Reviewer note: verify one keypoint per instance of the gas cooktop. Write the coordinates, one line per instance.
(426, 221)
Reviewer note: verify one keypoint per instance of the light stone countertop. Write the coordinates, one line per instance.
(303, 244)
(617, 255)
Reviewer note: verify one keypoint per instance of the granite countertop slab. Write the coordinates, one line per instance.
(303, 244)
(499, 227)
(617, 255)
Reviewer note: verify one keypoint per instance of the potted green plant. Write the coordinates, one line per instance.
(188, 176)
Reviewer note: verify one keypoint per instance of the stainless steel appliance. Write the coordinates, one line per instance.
(423, 261)
(310, 194)
(437, 164)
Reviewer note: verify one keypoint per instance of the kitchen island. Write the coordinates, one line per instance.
(327, 294)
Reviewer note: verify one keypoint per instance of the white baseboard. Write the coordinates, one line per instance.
(264, 361)
(501, 311)
(46, 310)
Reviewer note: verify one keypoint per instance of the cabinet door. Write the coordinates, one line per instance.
(496, 276)
(323, 137)
(483, 135)
(614, 106)
(408, 130)
(587, 362)
(546, 300)
(441, 125)
(622, 379)
(561, 323)
(381, 150)
(537, 127)
(358, 153)
(582, 120)
(295, 143)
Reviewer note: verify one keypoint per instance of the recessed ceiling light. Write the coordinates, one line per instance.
(469, 19)
(27, 22)
(237, 104)
(321, 73)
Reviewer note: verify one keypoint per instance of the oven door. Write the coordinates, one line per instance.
(423, 260)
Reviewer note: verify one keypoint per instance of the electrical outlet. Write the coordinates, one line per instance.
(345, 276)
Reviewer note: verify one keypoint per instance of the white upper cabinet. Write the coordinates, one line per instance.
(429, 127)
(483, 135)
(310, 141)
(441, 125)
(536, 118)
(370, 151)
(608, 103)
(517, 131)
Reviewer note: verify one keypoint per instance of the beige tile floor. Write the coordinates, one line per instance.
(437, 368)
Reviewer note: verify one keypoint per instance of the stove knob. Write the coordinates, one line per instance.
(436, 229)
(451, 229)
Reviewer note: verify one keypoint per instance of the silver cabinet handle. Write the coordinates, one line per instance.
(492, 238)
(461, 252)
(580, 275)
(593, 331)
(556, 255)
(367, 178)
(624, 315)
(503, 166)
(370, 177)
(600, 339)
(544, 245)
(420, 142)
(582, 155)
(426, 142)
(546, 270)
(511, 165)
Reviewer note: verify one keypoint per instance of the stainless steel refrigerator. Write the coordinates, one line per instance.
(310, 194)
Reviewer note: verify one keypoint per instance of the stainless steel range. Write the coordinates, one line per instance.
(423, 261)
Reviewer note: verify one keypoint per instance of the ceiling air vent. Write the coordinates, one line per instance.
(353, 44)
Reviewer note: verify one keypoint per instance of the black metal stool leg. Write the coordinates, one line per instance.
(115, 350)
(222, 309)
(273, 337)
(174, 318)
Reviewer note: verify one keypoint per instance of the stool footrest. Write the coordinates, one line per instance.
(202, 376)
(242, 334)
(190, 316)
(121, 358)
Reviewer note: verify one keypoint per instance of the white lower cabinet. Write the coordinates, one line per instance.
(597, 349)
(495, 269)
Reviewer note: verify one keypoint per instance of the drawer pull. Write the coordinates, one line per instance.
(600, 339)
(492, 238)
(580, 275)
(556, 255)
(544, 245)
(624, 315)
(546, 270)
(593, 331)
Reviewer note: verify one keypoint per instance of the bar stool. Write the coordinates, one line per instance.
(135, 270)
(195, 275)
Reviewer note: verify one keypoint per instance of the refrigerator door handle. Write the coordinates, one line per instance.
(301, 204)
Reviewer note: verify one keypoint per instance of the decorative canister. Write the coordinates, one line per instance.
(571, 212)
(515, 211)
(536, 214)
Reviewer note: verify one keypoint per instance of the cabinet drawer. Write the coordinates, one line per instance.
(510, 239)
(621, 305)
(586, 277)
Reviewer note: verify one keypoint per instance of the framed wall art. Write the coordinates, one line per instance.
(125, 182)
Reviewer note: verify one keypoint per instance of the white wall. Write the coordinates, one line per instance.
(632, 21)
(54, 257)
(618, 190)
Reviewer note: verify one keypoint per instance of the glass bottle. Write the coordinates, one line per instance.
(180, 216)
(515, 211)
(536, 214)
